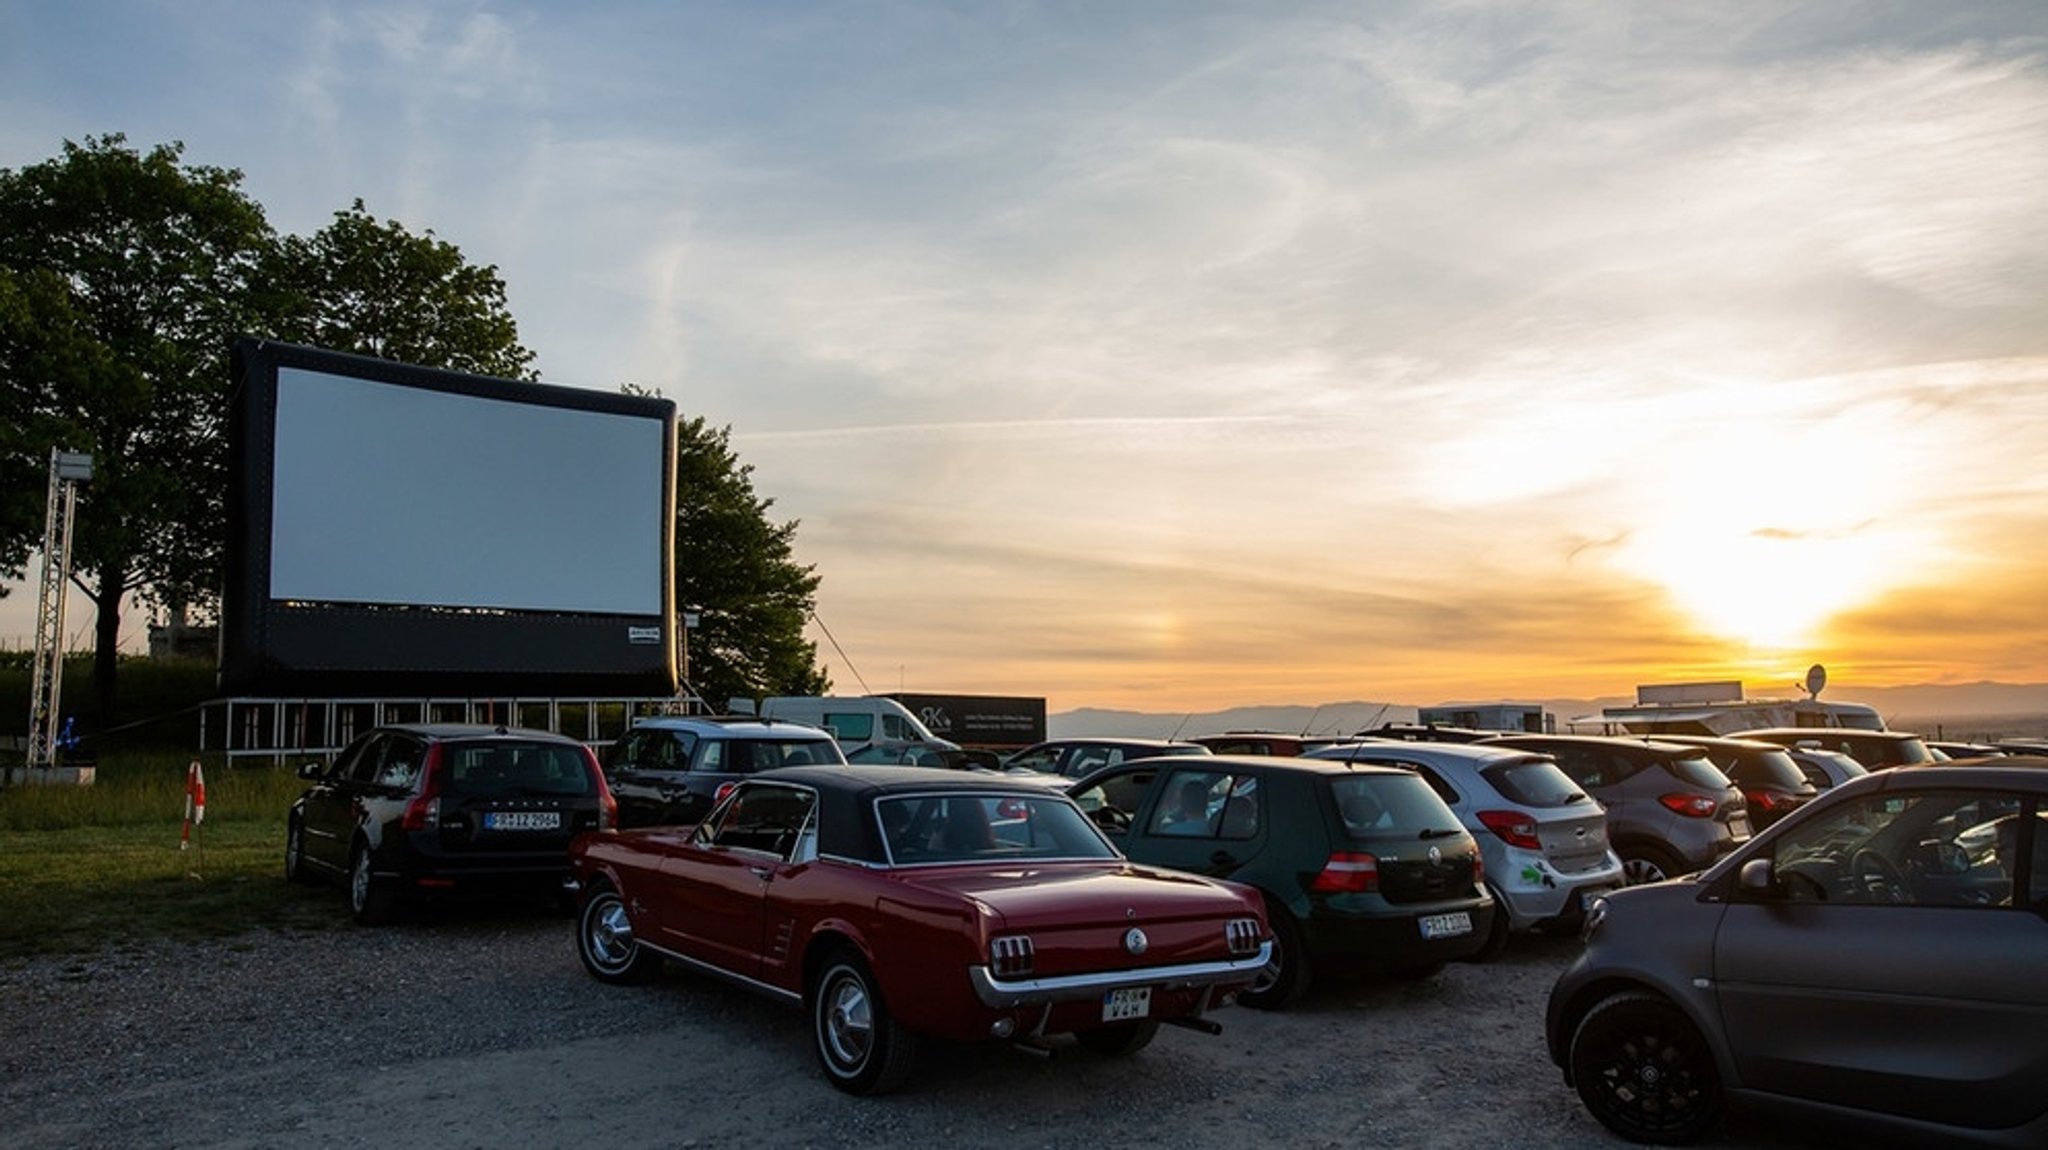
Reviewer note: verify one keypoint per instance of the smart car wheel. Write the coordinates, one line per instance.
(606, 944)
(1286, 976)
(367, 899)
(862, 1047)
(1644, 1071)
(1122, 1039)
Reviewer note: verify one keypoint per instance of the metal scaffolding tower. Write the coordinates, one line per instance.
(67, 471)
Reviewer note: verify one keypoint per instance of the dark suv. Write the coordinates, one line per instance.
(445, 809)
(1771, 781)
(668, 771)
(1364, 869)
(1876, 750)
(1670, 810)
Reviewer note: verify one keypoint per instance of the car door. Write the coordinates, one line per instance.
(715, 891)
(1905, 986)
(645, 769)
(328, 811)
(1216, 839)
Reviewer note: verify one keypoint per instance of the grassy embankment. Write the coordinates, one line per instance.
(85, 867)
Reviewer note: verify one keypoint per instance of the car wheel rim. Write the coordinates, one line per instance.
(1651, 1082)
(609, 934)
(1276, 965)
(846, 1023)
(1639, 871)
(359, 881)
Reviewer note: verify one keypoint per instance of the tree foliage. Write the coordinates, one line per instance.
(124, 278)
(376, 289)
(122, 274)
(734, 569)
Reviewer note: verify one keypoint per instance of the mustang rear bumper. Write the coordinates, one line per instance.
(1005, 993)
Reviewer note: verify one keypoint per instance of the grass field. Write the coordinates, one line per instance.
(85, 867)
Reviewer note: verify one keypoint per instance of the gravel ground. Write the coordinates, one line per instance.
(479, 1029)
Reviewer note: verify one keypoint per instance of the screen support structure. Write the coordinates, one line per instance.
(67, 471)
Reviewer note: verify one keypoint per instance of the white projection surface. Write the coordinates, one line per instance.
(390, 494)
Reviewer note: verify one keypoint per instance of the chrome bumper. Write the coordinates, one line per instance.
(1004, 993)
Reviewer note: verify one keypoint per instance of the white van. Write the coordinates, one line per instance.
(854, 720)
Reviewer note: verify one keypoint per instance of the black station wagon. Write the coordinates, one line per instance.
(1363, 868)
(445, 809)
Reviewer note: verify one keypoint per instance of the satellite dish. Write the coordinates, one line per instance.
(1816, 678)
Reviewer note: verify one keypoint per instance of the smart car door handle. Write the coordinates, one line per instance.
(1223, 859)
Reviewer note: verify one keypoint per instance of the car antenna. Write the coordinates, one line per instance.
(1310, 724)
(1177, 730)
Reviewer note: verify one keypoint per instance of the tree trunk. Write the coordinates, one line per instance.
(106, 651)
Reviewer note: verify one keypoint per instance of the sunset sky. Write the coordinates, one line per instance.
(1171, 355)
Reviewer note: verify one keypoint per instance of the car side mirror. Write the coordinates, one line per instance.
(1757, 879)
(311, 770)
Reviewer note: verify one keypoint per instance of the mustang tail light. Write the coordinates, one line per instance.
(1348, 872)
(1514, 828)
(424, 811)
(1242, 934)
(1690, 805)
(1011, 955)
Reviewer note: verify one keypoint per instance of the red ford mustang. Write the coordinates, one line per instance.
(898, 902)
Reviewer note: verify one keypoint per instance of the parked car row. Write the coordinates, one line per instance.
(1809, 964)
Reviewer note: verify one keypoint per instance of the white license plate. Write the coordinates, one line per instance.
(522, 820)
(1445, 925)
(1131, 1002)
(1740, 825)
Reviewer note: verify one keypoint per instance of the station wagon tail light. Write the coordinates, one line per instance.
(1011, 955)
(607, 803)
(1514, 828)
(1243, 935)
(1690, 805)
(424, 811)
(1348, 872)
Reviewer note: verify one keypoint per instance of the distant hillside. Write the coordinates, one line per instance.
(1973, 711)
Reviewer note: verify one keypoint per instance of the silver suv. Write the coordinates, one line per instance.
(671, 769)
(1670, 811)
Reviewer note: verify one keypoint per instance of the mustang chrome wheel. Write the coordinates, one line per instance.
(606, 943)
(863, 1049)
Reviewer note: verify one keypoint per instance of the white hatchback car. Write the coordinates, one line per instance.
(1543, 839)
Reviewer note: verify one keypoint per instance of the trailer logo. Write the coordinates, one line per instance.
(935, 720)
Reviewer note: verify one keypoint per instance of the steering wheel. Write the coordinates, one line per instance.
(1876, 878)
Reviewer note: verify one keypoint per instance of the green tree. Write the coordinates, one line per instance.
(735, 571)
(376, 289)
(122, 275)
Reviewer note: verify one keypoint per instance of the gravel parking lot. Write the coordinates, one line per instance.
(479, 1029)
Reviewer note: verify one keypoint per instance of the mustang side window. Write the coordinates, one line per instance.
(770, 819)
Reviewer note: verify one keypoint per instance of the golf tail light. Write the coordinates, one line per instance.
(1348, 872)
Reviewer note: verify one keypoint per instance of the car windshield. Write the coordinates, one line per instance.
(1534, 782)
(1697, 769)
(987, 827)
(477, 770)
